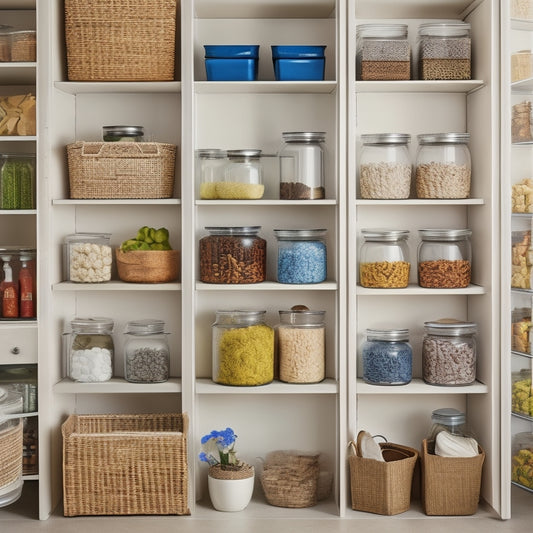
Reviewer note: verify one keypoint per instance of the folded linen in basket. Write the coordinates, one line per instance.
(448, 445)
(370, 449)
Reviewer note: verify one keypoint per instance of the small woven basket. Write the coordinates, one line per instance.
(11, 454)
(148, 266)
(220, 472)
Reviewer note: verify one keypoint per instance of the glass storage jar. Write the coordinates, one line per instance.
(301, 345)
(451, 420)
(444, 51)
(444, 258)
(522, 393)
(123, 133)
(23, 380)
(301, 160)
(383, 52)
(243, 348)
(5, 43)
(243, 176)
(17, 181)
(87, 257)
(384, 261)
(302, 255)
(24, 46)
(385, 166)
(521, 325)
(210, 166)
(443, 166)
(146, 352)
(387, 357)
(522, 459)
(233, 255)
(449, 352)
(90, 351)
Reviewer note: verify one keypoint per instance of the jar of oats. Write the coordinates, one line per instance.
(384, 259)
(443, 166)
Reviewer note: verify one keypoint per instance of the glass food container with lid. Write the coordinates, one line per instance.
(123, 133)
(522, 460)
(210, 167)
(87, 257)
(17, 181)
(451, 420)
(243, 176)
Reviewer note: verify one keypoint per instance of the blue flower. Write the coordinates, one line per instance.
(221, 444)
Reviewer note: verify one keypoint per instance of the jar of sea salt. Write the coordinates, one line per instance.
(90, 350)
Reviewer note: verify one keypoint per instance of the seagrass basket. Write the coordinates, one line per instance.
(11, 453)
(125, 464)
(148, 266)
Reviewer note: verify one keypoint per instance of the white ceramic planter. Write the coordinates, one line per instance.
(230, 494)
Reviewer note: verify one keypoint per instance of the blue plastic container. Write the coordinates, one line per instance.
(298, 62)
(231, 62)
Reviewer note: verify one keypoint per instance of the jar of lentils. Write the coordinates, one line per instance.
(384, 259)
(146, 352)
(233, 255)
(387, 357)
(385, 166)
(443, 166)
(444, 258)
(449, 352)
(210, 165)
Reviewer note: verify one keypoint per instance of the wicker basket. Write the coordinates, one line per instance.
(120, 40)
(11, 453)
(148, 266)
(121, 170)
(450, 485)
(125, 464)
(521, 65)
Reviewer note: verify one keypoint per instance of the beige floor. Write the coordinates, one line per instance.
(17, 519)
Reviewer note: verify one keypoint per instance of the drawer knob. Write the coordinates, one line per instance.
(15, 350)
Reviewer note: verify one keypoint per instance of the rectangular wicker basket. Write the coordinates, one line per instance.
(120, 40)
(121, 170)
(125, 464)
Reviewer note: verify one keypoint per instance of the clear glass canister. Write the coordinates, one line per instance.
(11, 446)
(233, 255)
(23, 46)
(210, 166)
(443, 166)
(243, 348)
(522, 393)
(385, 166)
(451, 420)
(383, 52)
(301, 345)
(449, 352)
(123, 133)
(384, 261)
(5, 43)
(87, 257)
(444, 51)
(387, 357)
(17, 181)
(302, 255)
(90, 351)
(146, 352)
(444, 258)
(522, 459)
(301, 160)
(243, 176)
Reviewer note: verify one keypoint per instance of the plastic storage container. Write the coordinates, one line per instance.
(210, 167)
(384, 259)
(243, 176)
(90, 351)
(521, 259)
(87, 257)
(385, 166)
(231, 62)
(301, 160)
(449, 352)
(387, 357)
(243, 348)
(443, 166)
(123, 133)
(444, 258)
(298, 62)
(522, 460)
(233, 255)
(522, 393)
(521, 325)
(17, 181)
(302, 255)
(146, 352)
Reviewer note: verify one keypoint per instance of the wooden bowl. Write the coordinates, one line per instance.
(148, 266)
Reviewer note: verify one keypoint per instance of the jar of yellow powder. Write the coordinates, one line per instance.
(243, 348)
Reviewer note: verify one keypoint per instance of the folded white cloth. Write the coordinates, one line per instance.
(448, 445)
(369, 448)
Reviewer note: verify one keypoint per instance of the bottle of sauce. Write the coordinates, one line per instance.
(26, 289)
(10, 303)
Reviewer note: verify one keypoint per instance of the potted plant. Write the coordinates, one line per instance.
(230, 481)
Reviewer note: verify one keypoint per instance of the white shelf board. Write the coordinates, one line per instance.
(30, 477)
(522, 86)
(265, 87)
(17, 4)
(394, 9)
(18, 324)
(419, 86)
(415, 290)
(522, 24)
(267, 202)
(521, 416)
(328, 386)
(119, 201)
(68, 286)
(17, 138)
(417, 386)
(117, 386)
(103, 87)
(18, 211)
(422, 202)
(18, 73)
(267, 286)
(522, 354)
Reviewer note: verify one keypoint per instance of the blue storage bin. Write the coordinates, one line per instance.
(298, 62)
(231, 62)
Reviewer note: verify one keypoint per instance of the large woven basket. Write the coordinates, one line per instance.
(120, 40)
(121, 170)
(125, 464)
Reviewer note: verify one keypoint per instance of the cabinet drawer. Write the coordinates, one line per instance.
(18, 345)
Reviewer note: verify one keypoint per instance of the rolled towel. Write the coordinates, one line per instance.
(448, 445)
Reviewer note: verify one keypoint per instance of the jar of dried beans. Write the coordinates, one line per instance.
(301, 345)
(385, 166)
(443, 166)
(243, 176)
(233, 255)
(210, 166)
(444, 258)
(384, 259)
(449, 352)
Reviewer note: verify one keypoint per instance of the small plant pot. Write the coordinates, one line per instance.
(230, 490)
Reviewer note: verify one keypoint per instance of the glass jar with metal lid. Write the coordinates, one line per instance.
(243, 176)
(451, 420)
(123, 133)
(301, 345)
(302, 255)
(383, 52)
(444, 258)
(387, 357)
(243, 348)
(522, 460)
(233, 255)
(90, 351)
(210, 167)
(301, 160)
(449, 352)
(17, 181)
(385, 166)
(384, 259)
(87, 257)
(146, 352)
(443, 166)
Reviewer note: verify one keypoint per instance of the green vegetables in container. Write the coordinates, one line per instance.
(17, 181)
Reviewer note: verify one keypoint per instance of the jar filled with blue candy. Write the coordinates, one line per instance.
(387, 357)
(302, 255)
